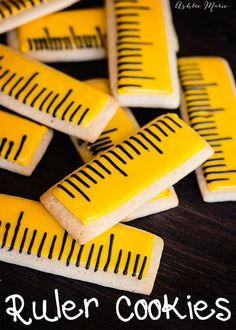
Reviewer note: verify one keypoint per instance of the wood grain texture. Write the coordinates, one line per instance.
(199, 254)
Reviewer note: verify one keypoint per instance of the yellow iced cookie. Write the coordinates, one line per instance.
(22, 143)
(142, 61)
(209, 104)
(51, 97)
(14, 13)
(114, 184)
(30, 236)
(78, 35)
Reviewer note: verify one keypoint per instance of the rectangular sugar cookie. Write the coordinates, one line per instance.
(105, 191)
(123, 258)
(14, 13)
(22, 143)
(78, 35)
(52, 98)
(142, 53)
(122, 125)
(209, 105)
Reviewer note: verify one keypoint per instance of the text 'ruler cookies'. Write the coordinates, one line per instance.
(122, 125)
(105, 191)
(31, 237)
(142, 53)
(209, 105)
(14, 13)
(22, 143)
(52, 98)
(78, 35)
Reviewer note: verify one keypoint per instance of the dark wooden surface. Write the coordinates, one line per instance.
(199, 253)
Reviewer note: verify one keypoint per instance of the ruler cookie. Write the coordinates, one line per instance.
(106, 190)
(209, 105)
(14, 13)
(22, 143)
(52, 98)
(123, 258)
(142, 53)
(122, 125)
(78, 35)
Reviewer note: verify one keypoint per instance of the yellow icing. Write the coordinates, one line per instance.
(145, 34)
(11, 8)
(220, 96)
(164, 194)
(62, 95)
(14, 128)
(101, 84)
(78, 29)
(125, 126)
(126, 180)
(35, 217)
(119, 127)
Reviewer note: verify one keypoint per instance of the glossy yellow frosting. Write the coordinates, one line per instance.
(47, 90)
(67, 30)
(210, 101)
(19, 138)
(164, 194)
(27, 227)
(142, 48)
(10, 8)
(121, 126)
(118, 175)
